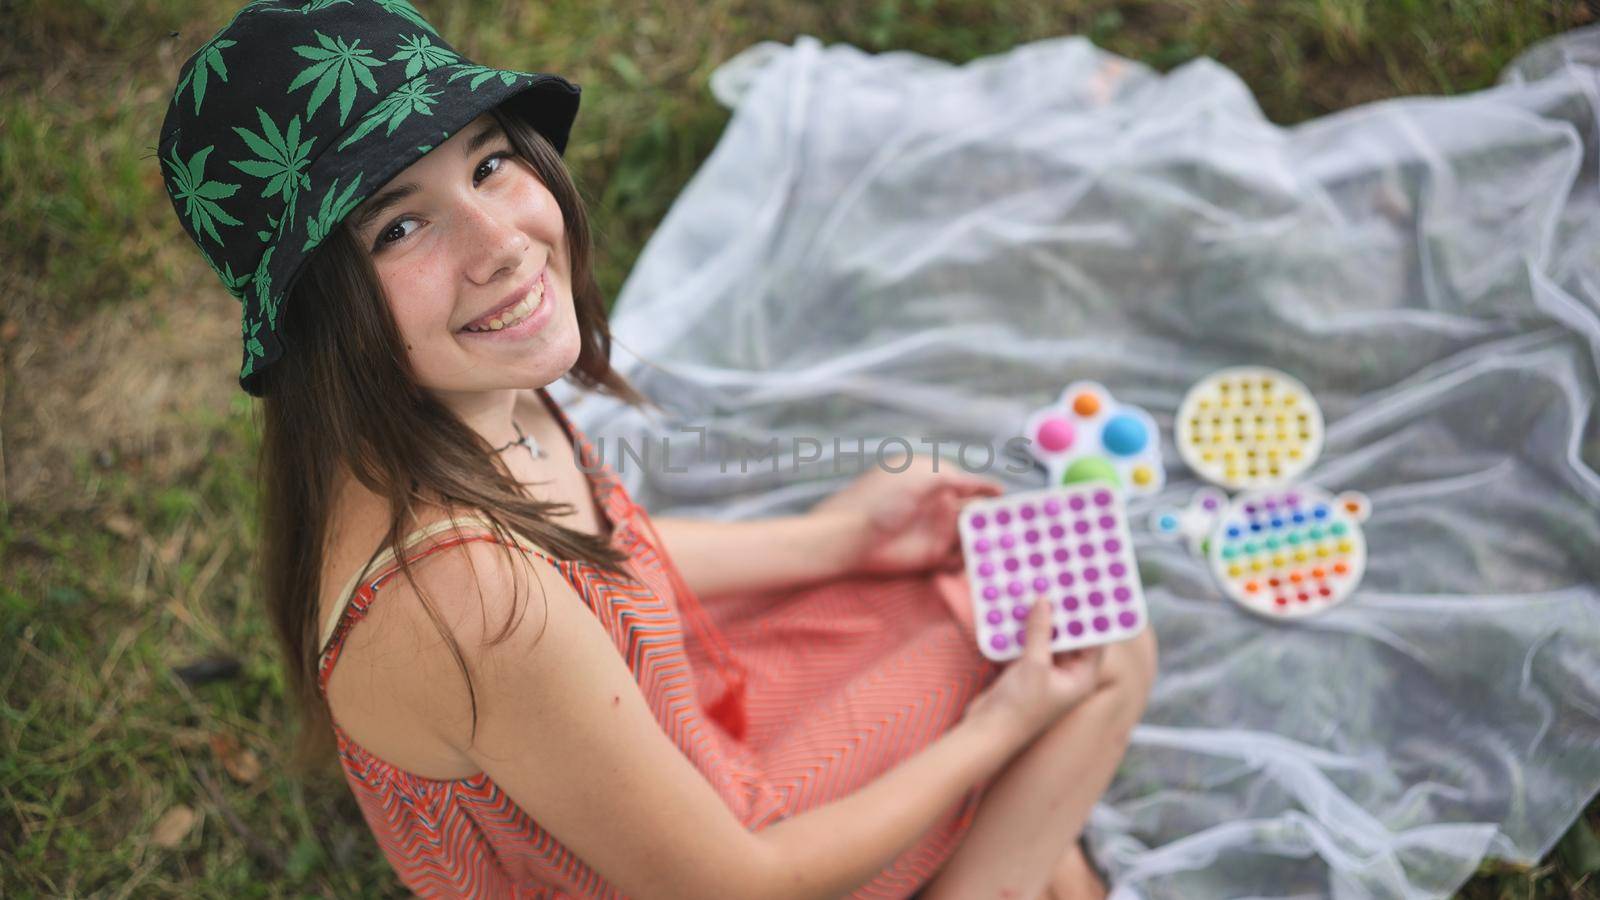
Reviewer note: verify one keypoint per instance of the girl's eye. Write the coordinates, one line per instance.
(394, 232)
(500, 157)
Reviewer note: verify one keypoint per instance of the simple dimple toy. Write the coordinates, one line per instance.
(1087, 436)
(1068, 546)
(1288, 552)
(1193, 523)
(1249, 427)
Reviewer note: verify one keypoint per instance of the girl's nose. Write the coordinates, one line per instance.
(493, 240)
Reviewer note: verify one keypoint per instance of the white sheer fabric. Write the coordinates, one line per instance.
(890, 246)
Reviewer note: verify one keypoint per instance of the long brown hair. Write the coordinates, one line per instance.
(344, 400)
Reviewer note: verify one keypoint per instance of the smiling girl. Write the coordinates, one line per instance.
(511, 658)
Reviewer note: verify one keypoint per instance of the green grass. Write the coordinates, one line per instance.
(124, 536)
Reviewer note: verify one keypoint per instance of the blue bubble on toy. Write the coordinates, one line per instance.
(1124, 435)
(1168, 523)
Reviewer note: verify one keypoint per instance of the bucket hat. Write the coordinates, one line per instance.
(296, 112)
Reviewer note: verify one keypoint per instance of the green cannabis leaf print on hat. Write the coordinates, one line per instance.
(336, 62)
(411, 97)
(199, 195)
(294, 113)
(210, 60)
(420, 55)
(280, 157)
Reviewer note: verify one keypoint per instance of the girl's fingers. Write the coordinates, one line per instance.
(1038, 631)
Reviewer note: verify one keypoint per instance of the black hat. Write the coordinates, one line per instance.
(295, 112)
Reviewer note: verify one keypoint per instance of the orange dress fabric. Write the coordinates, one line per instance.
(843, 681)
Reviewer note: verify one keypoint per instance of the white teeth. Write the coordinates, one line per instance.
(516, 313)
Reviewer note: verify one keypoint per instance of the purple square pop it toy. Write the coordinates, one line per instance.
(1069, 545)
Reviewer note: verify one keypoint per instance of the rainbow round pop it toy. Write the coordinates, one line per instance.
(1088, 436)
(1068, 545)
(1289, 552)
(1249, 427)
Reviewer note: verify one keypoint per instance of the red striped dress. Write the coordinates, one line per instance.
(843, 680)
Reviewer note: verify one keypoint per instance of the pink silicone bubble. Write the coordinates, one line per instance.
(1117, 570)
(1101, 623)
(1060, 554)
(981, 545)
(1102, 498)
(1096, 598)
(1019, 613)
(1107, 523)
(1086, 550)
(1112, 545)
(999, 642)
(993, 617)
(1007, 541)
(1069, 602)
(1075, 628)
(1027, 513)
(1022, 638)
(1055, 434)
(1127, 619)
(986, 569)
(1002, 517)
(1052, 507)
(1210, 504)
(1056, 531)
(1036, 559)
(1014, 589)
(1031, 536)
(1065, 579)
(978, 520)
(1091, 574)
(1076, 504)
(1041, 583)
(1122, 594)
(991, 593)
(1081, 527)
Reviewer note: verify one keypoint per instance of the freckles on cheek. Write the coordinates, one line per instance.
(408, 288)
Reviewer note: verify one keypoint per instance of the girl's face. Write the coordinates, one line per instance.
(464, 240)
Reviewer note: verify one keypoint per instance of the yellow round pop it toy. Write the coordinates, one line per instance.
(1249, 427)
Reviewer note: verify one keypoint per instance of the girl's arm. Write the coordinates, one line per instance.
(763, 554)
(887, 522)
(565, 731)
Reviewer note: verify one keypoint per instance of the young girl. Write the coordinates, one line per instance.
(526, 695)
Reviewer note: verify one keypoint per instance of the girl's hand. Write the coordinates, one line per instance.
(1037, 688)
(905, 522)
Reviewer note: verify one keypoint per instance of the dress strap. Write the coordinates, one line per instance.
(346, 594)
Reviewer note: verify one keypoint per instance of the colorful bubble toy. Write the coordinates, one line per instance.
(1193, 523)
(1068, 546)
(1249, 427)
(1290, 552)
(1087, 436)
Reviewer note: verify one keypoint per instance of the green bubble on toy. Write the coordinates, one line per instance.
(1091, 468)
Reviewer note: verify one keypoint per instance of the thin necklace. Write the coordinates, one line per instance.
(525, 440)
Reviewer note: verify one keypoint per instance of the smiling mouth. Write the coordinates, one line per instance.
(513, 314)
